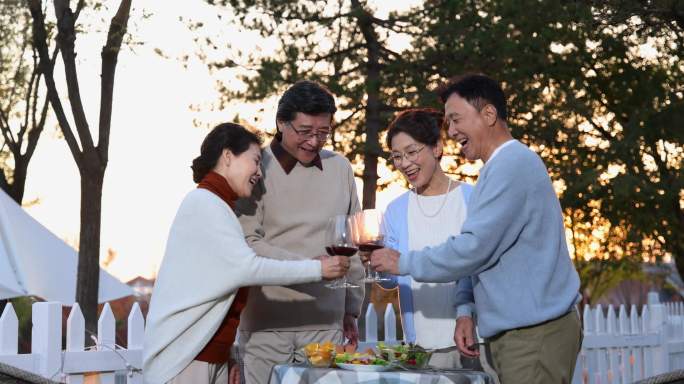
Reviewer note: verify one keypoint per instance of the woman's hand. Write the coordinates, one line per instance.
(333, 267)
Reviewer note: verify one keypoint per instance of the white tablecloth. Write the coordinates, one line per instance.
(298, 374)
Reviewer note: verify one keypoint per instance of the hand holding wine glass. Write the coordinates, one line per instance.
(333, 267)
(367, 237)
(339, 243)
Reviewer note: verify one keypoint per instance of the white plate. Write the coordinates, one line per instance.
(364, 367)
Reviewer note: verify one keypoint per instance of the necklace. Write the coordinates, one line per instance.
(446, 196)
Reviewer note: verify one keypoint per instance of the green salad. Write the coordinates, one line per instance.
(408, 355)
(359, 358)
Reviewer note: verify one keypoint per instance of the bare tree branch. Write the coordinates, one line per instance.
(17, 75)
(110, 53)
(7, 133)
(40, 43)
(66, 38)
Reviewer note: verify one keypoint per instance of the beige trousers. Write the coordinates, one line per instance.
(540, 354)
(451, 359)
(199, 372)
(260, 351)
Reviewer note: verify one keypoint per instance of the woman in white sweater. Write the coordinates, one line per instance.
(195, 308)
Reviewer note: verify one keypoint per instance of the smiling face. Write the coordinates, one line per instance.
(302, 147)
(244, 170)
(418, 162)
(471, 128)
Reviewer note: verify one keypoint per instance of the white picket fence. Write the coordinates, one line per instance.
(618, 347)
(48, 359)
(622, 348)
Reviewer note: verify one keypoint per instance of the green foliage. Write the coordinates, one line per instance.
(340, 44)
(605, 118)
(599, 276)
(22, 308)
(594, 87)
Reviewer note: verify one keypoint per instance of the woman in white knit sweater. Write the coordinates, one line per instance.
(195, 308)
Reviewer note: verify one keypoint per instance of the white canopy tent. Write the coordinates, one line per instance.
(35, 262)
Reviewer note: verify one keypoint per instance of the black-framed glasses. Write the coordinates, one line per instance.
(309, 133)
(410, 155)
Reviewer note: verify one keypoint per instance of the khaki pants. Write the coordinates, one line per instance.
(543, 354)
(199, 372)
(260, 351)
(446, 360)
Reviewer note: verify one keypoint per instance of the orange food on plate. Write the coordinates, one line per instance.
(320, 354)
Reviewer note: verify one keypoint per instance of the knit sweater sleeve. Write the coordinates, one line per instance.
(496, 215)
(209, 227)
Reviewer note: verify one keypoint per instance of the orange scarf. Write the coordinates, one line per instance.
(218, 184)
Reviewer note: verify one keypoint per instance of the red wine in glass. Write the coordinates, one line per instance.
(368, 237)
(339, 235)
(341, 250)
(369, 247)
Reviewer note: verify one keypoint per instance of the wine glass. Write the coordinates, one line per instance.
(367, 237)
(338, 237)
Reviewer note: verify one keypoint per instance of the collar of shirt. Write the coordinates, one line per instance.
(287, 161)
(499, 148)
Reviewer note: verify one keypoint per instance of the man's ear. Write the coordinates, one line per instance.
(489, 114)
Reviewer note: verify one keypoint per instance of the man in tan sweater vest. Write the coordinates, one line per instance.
(302, 187)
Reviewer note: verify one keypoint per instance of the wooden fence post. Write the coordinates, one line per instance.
(136, 334)
(657, 324)
(625, 352)
(390, 324)
(9, 331)
(371, 324)
(106, 336)
(75, 338)
(46, 338)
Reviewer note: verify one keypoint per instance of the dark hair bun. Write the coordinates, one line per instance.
(230, 136)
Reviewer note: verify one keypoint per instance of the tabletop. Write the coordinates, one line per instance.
(296, 374)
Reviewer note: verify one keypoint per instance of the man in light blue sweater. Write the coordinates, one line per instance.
(512, 244)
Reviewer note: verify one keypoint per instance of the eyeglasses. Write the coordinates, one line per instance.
(410, 155)
(309, 134)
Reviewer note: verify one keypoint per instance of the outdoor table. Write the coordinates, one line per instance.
(296, 374)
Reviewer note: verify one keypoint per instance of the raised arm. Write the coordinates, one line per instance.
(494, 221)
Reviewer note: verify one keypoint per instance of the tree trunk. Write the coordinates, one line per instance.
(372, 148)
(89, 245)
(90, 159)
(677, 241)
(16, 189)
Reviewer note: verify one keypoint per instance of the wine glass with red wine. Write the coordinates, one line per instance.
(339, 240)
(368, 237)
